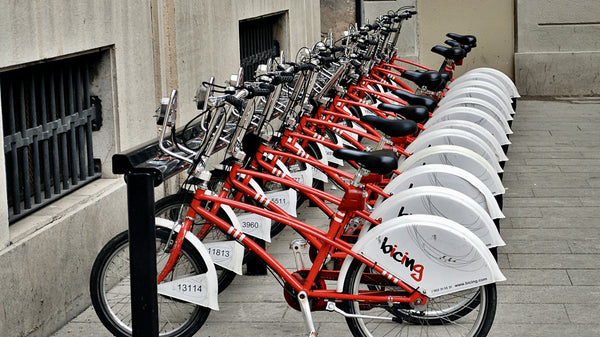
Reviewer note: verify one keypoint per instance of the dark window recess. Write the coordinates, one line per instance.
(48, 116)
(257, 43)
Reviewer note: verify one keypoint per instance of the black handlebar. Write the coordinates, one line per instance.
(263, 89)
(236, 102)
(282, 79)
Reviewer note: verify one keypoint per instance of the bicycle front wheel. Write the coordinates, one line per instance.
(111, 293)
(170, 208)
(469, 313)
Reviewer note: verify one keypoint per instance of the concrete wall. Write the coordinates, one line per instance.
(558, 49)
(151, 47)
(408, 41)
(491, 21)
(337, 16)
(195, 36)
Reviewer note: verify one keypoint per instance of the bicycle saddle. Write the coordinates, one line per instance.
(464, 39)
(454, 43)
(379, 162)
(392, 127)
(414, 99)
(455, 53)
(417, 113)
(445, 75)
(430, 79)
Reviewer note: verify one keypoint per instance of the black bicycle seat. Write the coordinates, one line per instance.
(391, 127)
(453, 53)
(454, 43)
(379, 162)
(430, 79)
(417, 113)
(464, 39)
(414, 99)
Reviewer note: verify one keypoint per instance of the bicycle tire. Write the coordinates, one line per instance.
(470, 316)
(113, 306)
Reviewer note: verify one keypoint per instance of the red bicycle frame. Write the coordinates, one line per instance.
(330, 241)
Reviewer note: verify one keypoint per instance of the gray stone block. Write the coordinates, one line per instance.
(560, 260)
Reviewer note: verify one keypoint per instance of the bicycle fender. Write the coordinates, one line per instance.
(474, 129)
(498, 75)
(455, 137)
(495, 89)
(455, 156)
(481, 105)
(432, 254)
(444, 202)
(318, 174)
(478, 77)
(488, 83)
(322, 157)
(303, 177)
(485, 95)
(207, 282)
(472, 115)
(446, 176)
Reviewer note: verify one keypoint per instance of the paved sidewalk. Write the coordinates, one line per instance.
(552, 231)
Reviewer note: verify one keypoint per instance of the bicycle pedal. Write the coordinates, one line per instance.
(297, 246)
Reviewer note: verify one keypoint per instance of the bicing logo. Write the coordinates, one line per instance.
(402, 258)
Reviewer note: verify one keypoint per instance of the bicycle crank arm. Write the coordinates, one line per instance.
(332, 307)
(305, 307)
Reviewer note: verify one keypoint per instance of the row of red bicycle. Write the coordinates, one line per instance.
(410, 249)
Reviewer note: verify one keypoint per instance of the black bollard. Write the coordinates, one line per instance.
(142, 253)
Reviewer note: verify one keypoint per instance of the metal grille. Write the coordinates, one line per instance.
(48, 117)
(257, 44)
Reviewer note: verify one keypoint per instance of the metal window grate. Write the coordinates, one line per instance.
(48, 117)
(257, 43)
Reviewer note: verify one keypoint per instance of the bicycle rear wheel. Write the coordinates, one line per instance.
(111, 293)
(467, 313)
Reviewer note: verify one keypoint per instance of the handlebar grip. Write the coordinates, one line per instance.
(236, 102)
(263, 89)
(337, 48)
(328, 59)
(260, 92)
(304, 66)
(287, 79)
(266, 86)
(282, 79)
